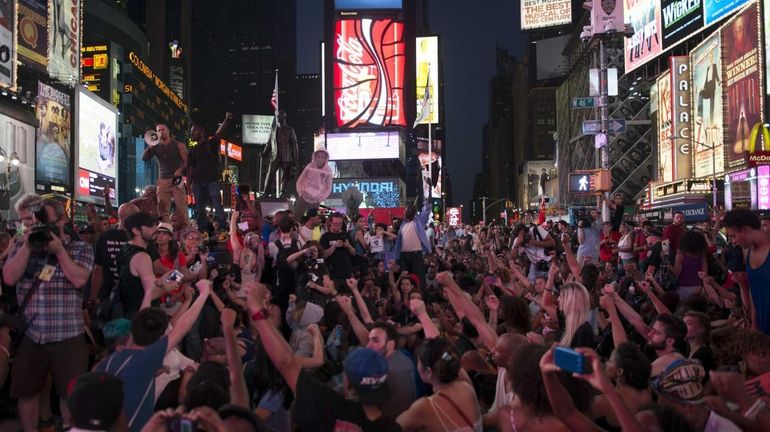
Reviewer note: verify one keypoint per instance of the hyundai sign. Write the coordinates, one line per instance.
(377, 192)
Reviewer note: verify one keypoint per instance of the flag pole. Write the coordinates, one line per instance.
(430, 140)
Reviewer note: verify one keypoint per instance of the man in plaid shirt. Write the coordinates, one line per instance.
(54, 339)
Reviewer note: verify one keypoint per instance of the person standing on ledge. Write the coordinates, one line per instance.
(172, 162)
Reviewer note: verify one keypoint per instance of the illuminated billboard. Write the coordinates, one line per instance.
(545, 13)
(433, 176)
(766, 32)
(7, 45)
(19, 141)
(707, 79)
(742, 83)
(716, 9)
(369, 64)
(33, 33)
(680, 117)
(665, 146)
(646, 43)
(95, 147)
(679, 20)
(427, 76)
(52, 167)
(363, 145)
(377, 192)
(64, 34)
(367, 4)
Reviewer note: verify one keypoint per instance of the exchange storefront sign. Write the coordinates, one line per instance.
(694, 212)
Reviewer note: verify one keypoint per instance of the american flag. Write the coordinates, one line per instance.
(274, 99)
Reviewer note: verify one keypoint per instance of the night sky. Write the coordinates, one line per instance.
(469, 31)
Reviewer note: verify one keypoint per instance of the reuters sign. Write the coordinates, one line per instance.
(761, 157)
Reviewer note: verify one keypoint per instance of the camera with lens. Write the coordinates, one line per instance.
(40, 233)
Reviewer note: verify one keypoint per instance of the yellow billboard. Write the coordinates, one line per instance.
(427, 77)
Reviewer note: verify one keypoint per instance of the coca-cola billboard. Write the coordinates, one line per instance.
(454, 215)
(369, 72)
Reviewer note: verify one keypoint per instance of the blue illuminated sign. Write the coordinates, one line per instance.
(717, 9)
(368, 4)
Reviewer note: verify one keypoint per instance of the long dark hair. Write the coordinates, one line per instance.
(438, 355)
(267, 378)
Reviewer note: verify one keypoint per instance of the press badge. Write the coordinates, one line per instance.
(47, 273)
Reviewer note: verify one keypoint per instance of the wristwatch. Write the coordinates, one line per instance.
(260, 315)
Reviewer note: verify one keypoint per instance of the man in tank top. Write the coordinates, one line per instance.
(172, 162)
(743, 227)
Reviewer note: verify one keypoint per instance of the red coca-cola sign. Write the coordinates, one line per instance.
(369, 66)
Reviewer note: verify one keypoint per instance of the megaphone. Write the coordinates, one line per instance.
(151, 138)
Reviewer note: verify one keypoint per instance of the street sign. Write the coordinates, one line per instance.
(600, 140)
(583, 102)
(617, 126)
(594, 127)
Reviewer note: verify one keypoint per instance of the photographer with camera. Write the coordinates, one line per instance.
(46, 261)
(537, 244)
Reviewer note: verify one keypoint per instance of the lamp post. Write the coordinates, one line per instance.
(486, 207)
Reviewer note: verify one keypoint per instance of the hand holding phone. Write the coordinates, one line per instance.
(570, 360)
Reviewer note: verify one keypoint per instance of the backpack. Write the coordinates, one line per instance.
(283, 270)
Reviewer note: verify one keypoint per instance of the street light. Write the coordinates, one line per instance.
(486, 207)
(713, 164)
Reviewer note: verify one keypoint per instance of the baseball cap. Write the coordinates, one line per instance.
(166, 227)
(367, 370)
(681, 381)
(95, 400)
(138, 220)
(313, 212)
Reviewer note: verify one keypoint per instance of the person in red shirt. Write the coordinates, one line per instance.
(608, 242)
(640, 242)
(674, 232)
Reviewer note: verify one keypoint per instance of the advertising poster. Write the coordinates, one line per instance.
(7, 48)
(545, 13)
(53, 136)
(741, 80)
(427, 75)
(536, 175)
(64, 40)
(665, 145)
(433, 176)
(646, 43)
(716, 9)
(95, 146)
(707, 81)
(680, 116)
(766, 32)
(33, 33)
(680, 19)
(369, 64)
(17, 140)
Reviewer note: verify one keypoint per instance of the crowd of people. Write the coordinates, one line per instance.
(321, 322)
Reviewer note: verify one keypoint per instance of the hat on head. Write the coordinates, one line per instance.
(367, 370)
(138, 220)
(313, 212)
(166, 227)
(95, 400)
(681, 381)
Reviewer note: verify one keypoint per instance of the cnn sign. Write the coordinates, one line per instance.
(454, 216)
